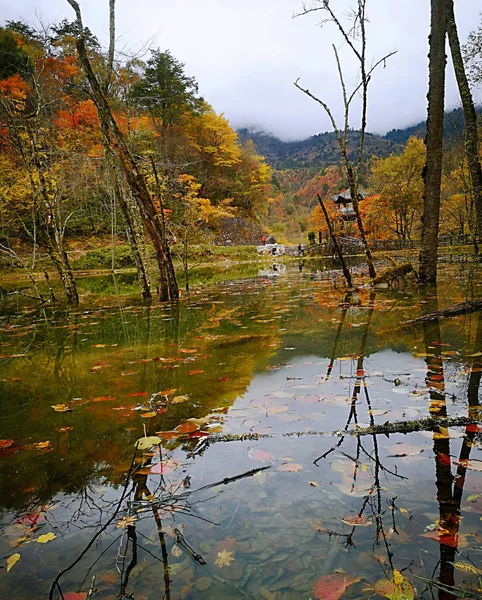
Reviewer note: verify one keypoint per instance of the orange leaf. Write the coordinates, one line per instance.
(195, 371)
(103, 399)
(187, 427)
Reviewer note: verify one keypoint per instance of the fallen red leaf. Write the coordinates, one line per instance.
(6, 443)
(333, 586)
(195, 372)
(103, 399)
(137, 394)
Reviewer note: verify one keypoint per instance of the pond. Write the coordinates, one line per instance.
(227, 447)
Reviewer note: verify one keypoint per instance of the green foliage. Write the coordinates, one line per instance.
(101, 258)
(165, 90)
(13, 58)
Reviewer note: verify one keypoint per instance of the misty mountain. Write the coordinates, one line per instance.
(322, 150)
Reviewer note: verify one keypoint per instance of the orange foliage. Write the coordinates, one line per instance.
(14, 87)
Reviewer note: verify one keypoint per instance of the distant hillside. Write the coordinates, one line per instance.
(318, 151)
(322, 150)
(453, 128)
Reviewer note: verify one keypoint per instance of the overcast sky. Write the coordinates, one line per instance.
(246, 54)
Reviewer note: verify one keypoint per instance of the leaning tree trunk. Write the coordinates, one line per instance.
(432, 172)
(168, 289)
(470, 132)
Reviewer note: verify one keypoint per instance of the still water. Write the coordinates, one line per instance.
(207, 450)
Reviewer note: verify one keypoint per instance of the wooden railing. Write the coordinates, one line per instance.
(354, 246)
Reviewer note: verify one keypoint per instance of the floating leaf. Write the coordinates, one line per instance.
(290, 467)
(357, 521)
(167, 392)
(12, 560)
(5, 444)
(137, 394)
(104, 399)
(46, 537)
(64, 429)
(179, 399)
(195, 371)
(397, 589)
(168, 435)
(148, 415)
(259, 455)
(61, 407)
(223, 559)
(333, 586)
(147, 442)
(314, 484)
(467, 568)
(187, 427)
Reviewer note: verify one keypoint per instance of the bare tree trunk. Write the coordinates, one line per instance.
(346, 270)
(435, 120)
(168, 289)
(470, 132)
(131, 235)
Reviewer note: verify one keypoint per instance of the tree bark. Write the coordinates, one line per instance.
(470, 116)
(434, 141)
(346, 270)
(168, 289)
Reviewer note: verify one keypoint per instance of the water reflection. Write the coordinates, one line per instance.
(238, 377)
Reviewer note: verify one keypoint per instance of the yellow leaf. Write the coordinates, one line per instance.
(314, 484)
(12, 560)
(467, 568)
(178, 399)
(224, 558)
(46, 537)
(61, 407)
(148, 415)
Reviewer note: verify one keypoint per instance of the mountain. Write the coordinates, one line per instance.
(454, 123)
(322, 150)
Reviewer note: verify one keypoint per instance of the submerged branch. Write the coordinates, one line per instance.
(463, 308)
(426, 424)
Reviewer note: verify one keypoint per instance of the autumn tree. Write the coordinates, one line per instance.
(195, 215)
(134, 175)
(167, 94)
(26, 98)
(397, 180)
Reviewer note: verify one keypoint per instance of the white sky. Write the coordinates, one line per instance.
(246, 54)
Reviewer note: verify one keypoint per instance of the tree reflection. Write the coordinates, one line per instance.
(449, 487)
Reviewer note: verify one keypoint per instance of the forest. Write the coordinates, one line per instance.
(235, 367)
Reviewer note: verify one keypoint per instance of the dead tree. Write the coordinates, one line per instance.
(168, 289)
(432, 172)
(355, 38)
